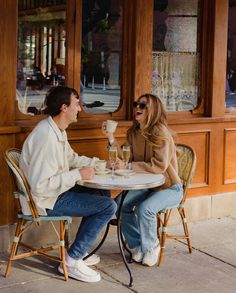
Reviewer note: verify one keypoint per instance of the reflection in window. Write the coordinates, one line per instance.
(41, 51)
(231, 58)
(100, 55)
(175, 57)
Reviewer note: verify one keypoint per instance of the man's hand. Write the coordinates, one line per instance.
(87, 173)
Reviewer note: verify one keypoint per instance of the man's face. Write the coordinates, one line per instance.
(73, 109)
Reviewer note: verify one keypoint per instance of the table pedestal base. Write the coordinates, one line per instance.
(121, 241)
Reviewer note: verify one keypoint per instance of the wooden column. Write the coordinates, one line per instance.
(142, 46)
(217, 53)
(8, 66)
(70, 41)
(8, 23)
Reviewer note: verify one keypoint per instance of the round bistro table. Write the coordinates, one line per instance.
(135, 181)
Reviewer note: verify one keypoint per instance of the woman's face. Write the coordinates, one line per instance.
(140, 110)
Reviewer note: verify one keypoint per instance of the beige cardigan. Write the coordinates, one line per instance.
(148, 158)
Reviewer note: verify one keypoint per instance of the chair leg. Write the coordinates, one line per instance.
(163, 236)
(14, 246)
(185, 226)
(62, 248)
(67, 235)
(159, 225)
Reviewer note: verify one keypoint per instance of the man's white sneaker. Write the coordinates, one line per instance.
(151, 257)
(80, 271)
(94, 259)
(137, 254)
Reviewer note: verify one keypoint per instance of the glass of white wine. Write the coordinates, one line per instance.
(113, 159)
(126, 155)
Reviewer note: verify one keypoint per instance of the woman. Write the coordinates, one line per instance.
(153, 150)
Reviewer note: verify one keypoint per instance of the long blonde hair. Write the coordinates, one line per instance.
(155, 121)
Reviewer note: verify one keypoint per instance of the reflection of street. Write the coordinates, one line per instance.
(231, 100)
(31, 98)
(93, 98)
(110, 98)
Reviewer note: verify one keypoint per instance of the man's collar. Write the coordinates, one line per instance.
(61, 134)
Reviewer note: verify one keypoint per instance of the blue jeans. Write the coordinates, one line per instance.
(139, 223)
(95, 209)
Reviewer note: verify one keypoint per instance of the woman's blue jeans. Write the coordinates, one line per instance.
(95, 209)
(139, 222)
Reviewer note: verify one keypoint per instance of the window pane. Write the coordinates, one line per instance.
(231, 58)
(41, 51)
(100, 55)
(175, 56)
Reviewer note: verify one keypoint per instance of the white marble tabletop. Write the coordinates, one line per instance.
(133, 182)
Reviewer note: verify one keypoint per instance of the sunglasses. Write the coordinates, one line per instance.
(139, 105)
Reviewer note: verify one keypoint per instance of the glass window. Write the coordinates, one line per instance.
(101, 55)
(41, 52)
(231, 58)
(175, 56)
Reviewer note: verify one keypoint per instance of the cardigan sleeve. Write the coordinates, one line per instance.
(160, 160)
(76, 161)
(43, 174)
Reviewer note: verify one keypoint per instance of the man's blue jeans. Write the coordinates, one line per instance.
(95, 209)
(139, 223)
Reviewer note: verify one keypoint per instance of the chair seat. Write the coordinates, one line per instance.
(45, 218)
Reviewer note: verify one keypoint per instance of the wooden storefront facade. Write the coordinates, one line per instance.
(208, 129)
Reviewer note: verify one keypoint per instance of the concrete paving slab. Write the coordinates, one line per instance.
(226, 252)
(216, 237)
(233, 217)
(211, 268)
(36, 275)
(210, 232)
(72, 286)
(180, 273)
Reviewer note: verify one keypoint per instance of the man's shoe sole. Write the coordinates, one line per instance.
(82, 278)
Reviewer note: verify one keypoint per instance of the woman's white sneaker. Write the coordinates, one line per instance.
(137, 254)
(80, 271)
(151, 257)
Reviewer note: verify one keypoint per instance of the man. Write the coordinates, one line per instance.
(52, 169)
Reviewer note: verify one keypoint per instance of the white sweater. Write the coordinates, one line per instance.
(50, 165)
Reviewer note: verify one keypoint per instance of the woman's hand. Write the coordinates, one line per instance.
(108, 165)
(109, 135)
(119, 164)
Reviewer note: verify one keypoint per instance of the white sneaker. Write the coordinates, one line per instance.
(94, 259)
(137, 254)
(151, 257)
(80, 271)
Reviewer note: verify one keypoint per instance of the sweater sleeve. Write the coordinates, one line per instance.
(160, 160)
(76, 161)
(43, 175)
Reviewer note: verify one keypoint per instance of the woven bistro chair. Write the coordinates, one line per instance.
(24, 222)
(186, 157)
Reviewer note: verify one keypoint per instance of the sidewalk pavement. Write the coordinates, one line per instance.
(211, 268)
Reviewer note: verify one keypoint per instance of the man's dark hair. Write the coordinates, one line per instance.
(56, 97)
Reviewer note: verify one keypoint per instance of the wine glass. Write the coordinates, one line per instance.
(113, 159)
(126, 155)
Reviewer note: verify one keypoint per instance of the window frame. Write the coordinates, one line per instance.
(137, 61)
(73, 63)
